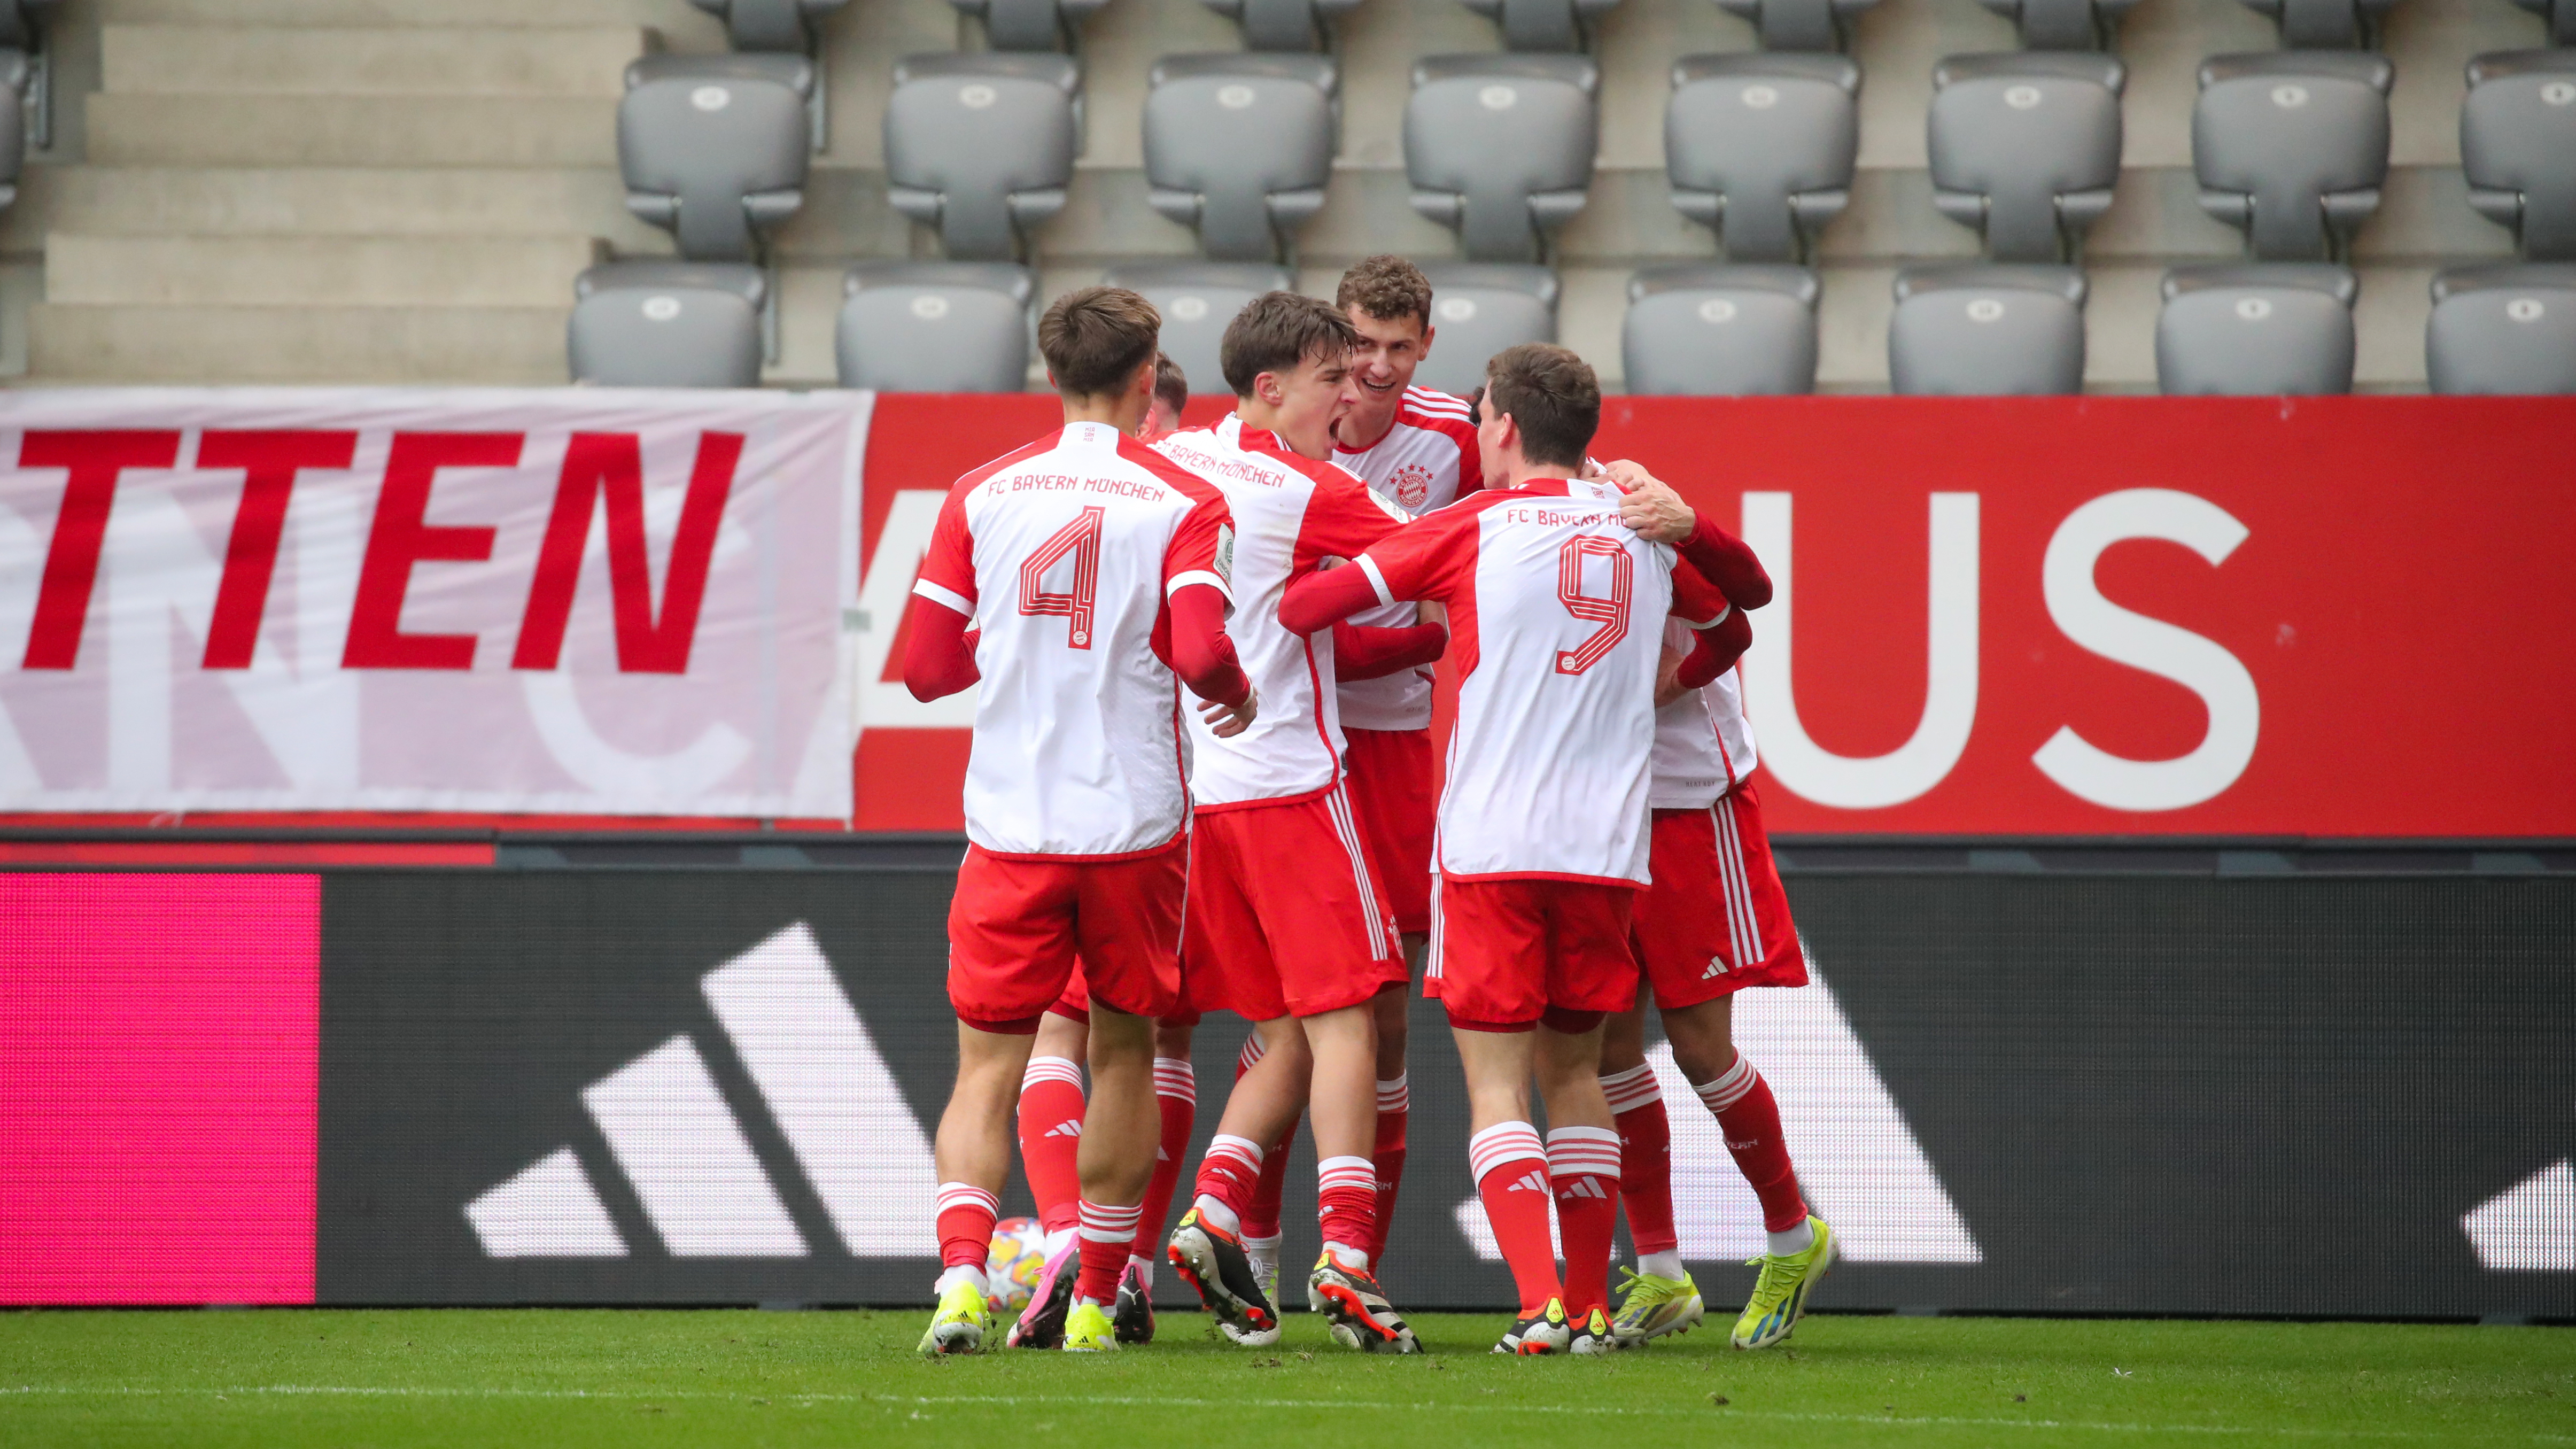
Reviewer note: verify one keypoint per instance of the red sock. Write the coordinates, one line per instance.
(1346, 1203)
(1176, 1092)
(1394, 1109)
(1511, 1179)
(1261, 1215)
(1230, 1171)
(1583, 1170)
(1051, 1110)
(1106, 1234)
(1645, 1158)
(965, 1225)
(1749, 1120)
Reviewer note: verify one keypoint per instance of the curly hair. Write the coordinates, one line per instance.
(1386, 287)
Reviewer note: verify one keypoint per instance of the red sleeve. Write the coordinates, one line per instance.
(1320, 598)
(1342, 519)
(1729, 563)
(1365, 651)
(1202, 548)
(1696, 601)
(1471, 464)
(1714, 651)
(949, 566)
(1202, 655)
(1428, 558)
(939, 657)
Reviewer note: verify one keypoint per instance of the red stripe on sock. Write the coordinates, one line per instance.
(1646, 1176)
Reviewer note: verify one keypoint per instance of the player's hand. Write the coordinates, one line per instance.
(1651, 507)
(1225, 721)
(1668, 678)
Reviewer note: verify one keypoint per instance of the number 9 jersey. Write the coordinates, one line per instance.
(1064, 556)
(1556, 625)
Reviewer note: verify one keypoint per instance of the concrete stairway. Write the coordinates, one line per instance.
(335, 191)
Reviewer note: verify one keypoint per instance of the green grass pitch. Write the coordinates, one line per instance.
(632, 1377)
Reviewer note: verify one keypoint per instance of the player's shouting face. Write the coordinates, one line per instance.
(1307, 400)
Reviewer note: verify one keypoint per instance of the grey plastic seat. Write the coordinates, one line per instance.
(1198, 300)
(2026, 148)
(1480, 309)
(2561, 15)
(935, 327)
(1283, 24)
(788, 25)
(15, 71)
(2065, 24)
(25, 27)
(2518, 146)
(2283, 330)
(2291, 147)
(1706, 331)
(2325, 24)
(796, 72)
(1982, 331)
(1800, 24)
(980, 147)
(1499, 147)
(1030, 24)
(714, 153)
(2507, 329)
(666, 324)
(1760, 147)
(1239, 147)
(1543, 25)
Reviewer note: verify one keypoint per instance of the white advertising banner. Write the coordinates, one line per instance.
(569, 601)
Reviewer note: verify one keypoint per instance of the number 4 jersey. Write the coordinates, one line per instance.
(1556, 625)
(1064, 556)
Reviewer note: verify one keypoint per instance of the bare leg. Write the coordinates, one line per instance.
(974, 1144)
(1123, 1124)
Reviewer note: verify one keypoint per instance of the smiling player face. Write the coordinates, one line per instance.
(1381, 369)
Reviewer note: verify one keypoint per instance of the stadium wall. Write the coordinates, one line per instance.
(2195, 1077)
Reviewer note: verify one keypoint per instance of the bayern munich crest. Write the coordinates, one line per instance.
(1412, 485)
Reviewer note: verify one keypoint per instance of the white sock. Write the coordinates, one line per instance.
(1797, 1240)
(1144, 1267)
(962, 1273)
(1218, 1214)
(1264, 1252)
(1354, 1259)
(1056, 1241)
(1661, 1265)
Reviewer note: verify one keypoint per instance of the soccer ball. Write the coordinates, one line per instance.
(1011, 1271)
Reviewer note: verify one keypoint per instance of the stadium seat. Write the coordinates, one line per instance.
(2518, 146)
(2283, 330)
(935, 327)
(2065, 24)
(1709, 331)
(785, 25)
(714, 153)
(2291, 147)
(14, 74)
(980, 146)
(1541, 25)
(1500, 147)
(796, 72)
(2561, 15)
(2505, 329)
(2325, 24)
(1030, 24)
(1985, 331)
(1198, 300)
(1283, 24)
(667, 324)
(2026, 147)
(1479, 310)
(23, 28)
(1239, 148)
(1800, 24)
(1760, 147)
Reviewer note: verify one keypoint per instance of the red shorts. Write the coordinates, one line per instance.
(1395, 798)
(1015, 928)
(1074, 1004)
(1716, 919)
(1508, 952)
(1285, 918)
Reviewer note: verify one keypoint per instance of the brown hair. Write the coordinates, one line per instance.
(1095, 338)
(1275, 332)
(1386, 287)
(1552, 395)
(1170, 383)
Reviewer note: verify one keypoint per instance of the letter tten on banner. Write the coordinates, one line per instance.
(560, 601)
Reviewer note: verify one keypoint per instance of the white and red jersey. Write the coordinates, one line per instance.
(1556, 614)
(1426, 460)
(1703, 743)
(1288, 512)
(1063, 556)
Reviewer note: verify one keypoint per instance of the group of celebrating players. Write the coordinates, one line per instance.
(1271, 845)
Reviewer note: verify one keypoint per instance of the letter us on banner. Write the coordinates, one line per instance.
(570, 601)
